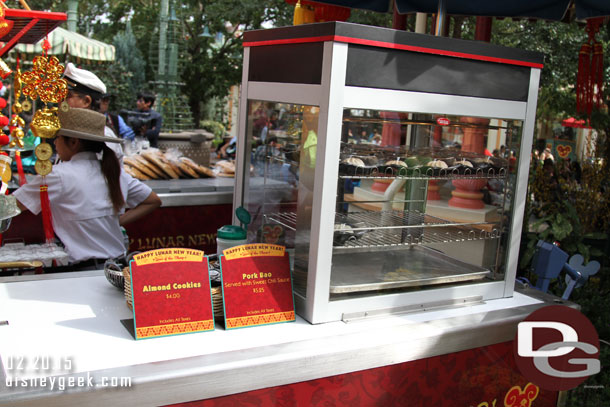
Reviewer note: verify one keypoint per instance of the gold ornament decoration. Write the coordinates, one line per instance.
(17, 108)
(17, 121)
(5, 168)
(17, 135)
(26, 105)
(17, 84)
(44, 80)
(64, 106)
(45, 123)
(5, 71)
(43, 151)
(43, 167)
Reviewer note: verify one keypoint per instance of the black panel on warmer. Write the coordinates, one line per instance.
(290, 63)
(356, 32)
(404, 70)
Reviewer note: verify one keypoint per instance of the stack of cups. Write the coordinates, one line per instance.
(230, 236)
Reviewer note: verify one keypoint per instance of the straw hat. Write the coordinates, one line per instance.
(84, 124)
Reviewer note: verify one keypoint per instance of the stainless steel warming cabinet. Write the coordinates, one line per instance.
(384, 144)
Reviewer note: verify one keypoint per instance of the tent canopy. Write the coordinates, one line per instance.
(64, 42)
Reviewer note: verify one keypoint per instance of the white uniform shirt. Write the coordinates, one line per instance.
(83, 216)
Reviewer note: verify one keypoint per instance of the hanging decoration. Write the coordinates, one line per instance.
(306, 12)
(5, 71)
(590, 78)
(44, 82)
(327, 12)
(17, 124)
(5, 25)
(303, 13)
(3, 119)
(5, 160)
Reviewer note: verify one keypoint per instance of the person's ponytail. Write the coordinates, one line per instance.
(111, 168)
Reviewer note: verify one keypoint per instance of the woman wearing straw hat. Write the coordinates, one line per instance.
(88, 195)
(86, 90)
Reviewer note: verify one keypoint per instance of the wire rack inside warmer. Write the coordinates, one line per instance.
(388, 229)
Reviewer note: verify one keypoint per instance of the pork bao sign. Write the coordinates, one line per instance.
(256, 285)
(171, 293)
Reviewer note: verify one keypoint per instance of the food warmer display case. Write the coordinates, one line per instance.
(393, 202)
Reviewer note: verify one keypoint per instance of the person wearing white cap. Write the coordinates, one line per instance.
(85, 90)
(88, 196)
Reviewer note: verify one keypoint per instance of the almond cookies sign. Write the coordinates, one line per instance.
(171, 293)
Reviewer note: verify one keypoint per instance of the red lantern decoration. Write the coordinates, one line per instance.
(5, 25)
(3, 121)
(327, 12)
(2, 103)
(590, 79)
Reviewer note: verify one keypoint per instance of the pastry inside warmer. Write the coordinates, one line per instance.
(355, 161)
(397, 163)
(465, 162)
(437, 164)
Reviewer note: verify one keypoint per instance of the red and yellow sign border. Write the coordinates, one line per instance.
(257, 285)
(171, 279)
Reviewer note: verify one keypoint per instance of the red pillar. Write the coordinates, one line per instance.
(483, 29)
(399, 21)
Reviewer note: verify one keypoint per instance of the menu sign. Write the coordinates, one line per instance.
(171, 293)
(256, 285)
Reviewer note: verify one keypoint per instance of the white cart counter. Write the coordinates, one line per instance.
(55, 320)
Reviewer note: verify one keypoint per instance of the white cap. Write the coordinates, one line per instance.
(84, 81)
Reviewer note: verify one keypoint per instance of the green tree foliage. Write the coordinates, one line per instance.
(128, 54)
(560, 43)
(212, 67)
(370, 18)
(116, 78)
(214, 62)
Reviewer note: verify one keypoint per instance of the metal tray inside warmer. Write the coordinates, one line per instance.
(413, 267)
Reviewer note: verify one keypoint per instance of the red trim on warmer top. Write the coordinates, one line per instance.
(383, 44)
(290, 41)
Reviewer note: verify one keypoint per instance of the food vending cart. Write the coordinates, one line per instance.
(404, 295)
(401, 223)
